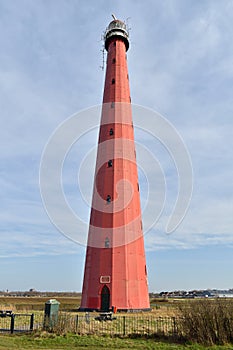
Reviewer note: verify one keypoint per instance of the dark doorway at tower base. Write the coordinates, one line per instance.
(105, 299)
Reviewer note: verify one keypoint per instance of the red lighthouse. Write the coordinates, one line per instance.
(115, 268)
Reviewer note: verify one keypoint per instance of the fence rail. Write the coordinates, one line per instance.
(125, 325)
(119, 325)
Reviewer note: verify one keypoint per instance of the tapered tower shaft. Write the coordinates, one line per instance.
(115, 269)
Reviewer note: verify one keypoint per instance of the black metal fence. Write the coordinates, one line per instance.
(119, 325)
(10, 322)
(91, 323)
(126, 325)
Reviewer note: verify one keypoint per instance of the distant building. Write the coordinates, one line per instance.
(224, 295)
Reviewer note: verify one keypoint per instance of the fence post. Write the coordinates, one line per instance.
(12, 323)
(76, 323)
(176, 325)
(123, 325)
(31, 322)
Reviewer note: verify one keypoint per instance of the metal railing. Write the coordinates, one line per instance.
(126, 325)
(10, 322)
(118, 325)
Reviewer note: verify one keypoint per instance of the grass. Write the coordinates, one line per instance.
(204, 321)
(50, 341)
(29, 304)
(35, 303)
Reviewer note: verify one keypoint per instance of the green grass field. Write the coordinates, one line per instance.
(40, 339)
(50, 341)
(36, 303)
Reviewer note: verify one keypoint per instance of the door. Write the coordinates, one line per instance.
(105, 298)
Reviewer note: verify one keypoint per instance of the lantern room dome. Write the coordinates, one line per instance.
(116, 28)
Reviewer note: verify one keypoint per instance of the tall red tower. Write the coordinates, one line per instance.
(115, 269)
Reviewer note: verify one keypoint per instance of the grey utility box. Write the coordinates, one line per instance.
(51, 312)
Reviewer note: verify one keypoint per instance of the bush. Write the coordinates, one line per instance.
(207, 322)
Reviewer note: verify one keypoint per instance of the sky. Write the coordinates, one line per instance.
(180, 66)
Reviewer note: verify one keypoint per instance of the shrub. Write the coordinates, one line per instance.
(207, 321)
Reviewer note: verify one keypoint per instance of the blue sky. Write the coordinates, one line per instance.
(180, 64)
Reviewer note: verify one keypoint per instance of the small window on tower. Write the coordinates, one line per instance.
(113, 81)
(110, 163)
(113, 60)
(111, 132)
(106, 243)
(112, 104)
(108, 199)
(114, 43)
(138, 186)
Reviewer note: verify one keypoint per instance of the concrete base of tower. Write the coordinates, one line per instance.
(134, 310)
(86, 309)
